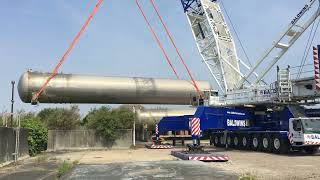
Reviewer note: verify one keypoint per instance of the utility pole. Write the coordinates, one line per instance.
(12, 101)
(134, 127)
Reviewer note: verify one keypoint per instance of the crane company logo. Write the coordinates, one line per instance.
(298, 16)
(237, 123)
(313, 136)
(268, 92)
(236, 113)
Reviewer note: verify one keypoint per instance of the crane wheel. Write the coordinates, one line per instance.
(236, 141)
(256, 142)
(279, 145)
(266, 143)
(245, 141)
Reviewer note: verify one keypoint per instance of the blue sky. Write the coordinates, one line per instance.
(34, 34)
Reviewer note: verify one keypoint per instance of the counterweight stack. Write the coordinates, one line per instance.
(70, 88)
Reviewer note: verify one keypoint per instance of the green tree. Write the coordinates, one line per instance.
(106, 121)
(44, 114)
(60, 118)
(38, 135)
(124, 117)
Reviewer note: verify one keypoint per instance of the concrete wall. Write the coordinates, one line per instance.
(8, 143)
(86, 139)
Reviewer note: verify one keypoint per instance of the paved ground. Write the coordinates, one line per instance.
(117, 156)
(31, 169)
(151, 170)
(159, 164)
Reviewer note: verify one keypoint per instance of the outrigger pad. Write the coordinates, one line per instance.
(160, 146)
(195, 149)
(206, 157)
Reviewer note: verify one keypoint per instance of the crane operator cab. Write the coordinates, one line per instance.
(305, 132)
(211, 98)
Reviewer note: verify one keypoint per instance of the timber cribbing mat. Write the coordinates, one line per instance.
(206, 157)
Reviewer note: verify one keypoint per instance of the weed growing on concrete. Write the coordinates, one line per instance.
(133, 147)
(247, 176)
(64, 168)
(53, 158)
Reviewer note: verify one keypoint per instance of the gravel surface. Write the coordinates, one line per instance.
(273, 166)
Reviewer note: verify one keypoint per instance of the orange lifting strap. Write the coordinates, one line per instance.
(64, 57)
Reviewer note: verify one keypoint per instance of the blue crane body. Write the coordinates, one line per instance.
(272, 130)
(174, 123)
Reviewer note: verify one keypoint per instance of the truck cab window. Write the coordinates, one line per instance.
(297, 126)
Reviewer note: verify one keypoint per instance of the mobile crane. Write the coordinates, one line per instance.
(248, 109)
(251, 114)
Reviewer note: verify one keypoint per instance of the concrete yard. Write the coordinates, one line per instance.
(151, 170)
(159, 164)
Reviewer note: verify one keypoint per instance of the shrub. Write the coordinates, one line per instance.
(38, 135)
(106, 121)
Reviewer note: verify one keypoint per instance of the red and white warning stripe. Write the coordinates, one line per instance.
(316, 67)
(157, 129)
(160, 147)
(208, 158)
(195, 126)
(290, 137)
(312, 143)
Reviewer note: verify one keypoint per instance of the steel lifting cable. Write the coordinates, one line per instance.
(236, 33)
(157, 39)
(176, 48)
(305, 53)
(308, 47)
(62, 60)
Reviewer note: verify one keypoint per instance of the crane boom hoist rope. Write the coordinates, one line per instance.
(172, 42)
(175, 47)
(157, 39)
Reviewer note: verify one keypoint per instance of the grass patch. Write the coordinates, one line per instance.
(247, 176)
(53, 158)
(64, 168)
(133, 147)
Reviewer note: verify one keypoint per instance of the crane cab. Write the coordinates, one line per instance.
(304, 131)
(211, 98)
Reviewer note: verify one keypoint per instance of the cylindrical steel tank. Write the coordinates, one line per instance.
(148, 118)
(70, 88)
(153, 116)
